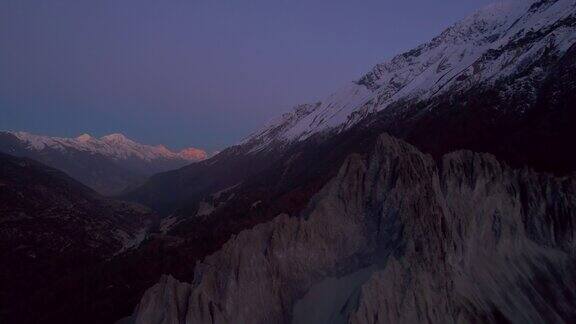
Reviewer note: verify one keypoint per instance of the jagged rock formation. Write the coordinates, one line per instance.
(462, 239)
(166, 302)
(53, 228)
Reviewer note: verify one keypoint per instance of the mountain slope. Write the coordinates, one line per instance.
(109, 164)
(464, 239)
(52, 228)
(504, 42)
(501, 81)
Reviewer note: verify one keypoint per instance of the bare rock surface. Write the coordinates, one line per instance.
(464, 239)
(166, 302)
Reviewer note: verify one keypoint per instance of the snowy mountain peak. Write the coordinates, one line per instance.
(116, 138)
(162, 148)
(495, 43)
(84, 138)
(193, 154)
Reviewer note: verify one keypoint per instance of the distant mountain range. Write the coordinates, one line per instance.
(109, 164)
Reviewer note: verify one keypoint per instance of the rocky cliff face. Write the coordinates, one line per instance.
(465, 238)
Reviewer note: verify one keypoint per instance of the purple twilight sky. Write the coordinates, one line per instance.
(201, 73)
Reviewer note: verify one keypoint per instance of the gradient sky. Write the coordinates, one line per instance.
(202, 73)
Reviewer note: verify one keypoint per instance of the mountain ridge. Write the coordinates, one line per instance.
(485, 47)
(116, 145)
(528, 100)
(110, 164)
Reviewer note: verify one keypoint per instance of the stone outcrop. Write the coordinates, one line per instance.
(166, 302)
(464, 239)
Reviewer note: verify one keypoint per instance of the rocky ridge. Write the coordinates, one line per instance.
(463, 239)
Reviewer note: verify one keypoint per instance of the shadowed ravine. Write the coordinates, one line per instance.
(463, 239)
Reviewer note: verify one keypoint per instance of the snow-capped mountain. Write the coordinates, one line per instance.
(500, 42)
(116, 146)
(499, 79)
(109, 164)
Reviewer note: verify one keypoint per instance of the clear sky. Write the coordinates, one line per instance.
(202, 73)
